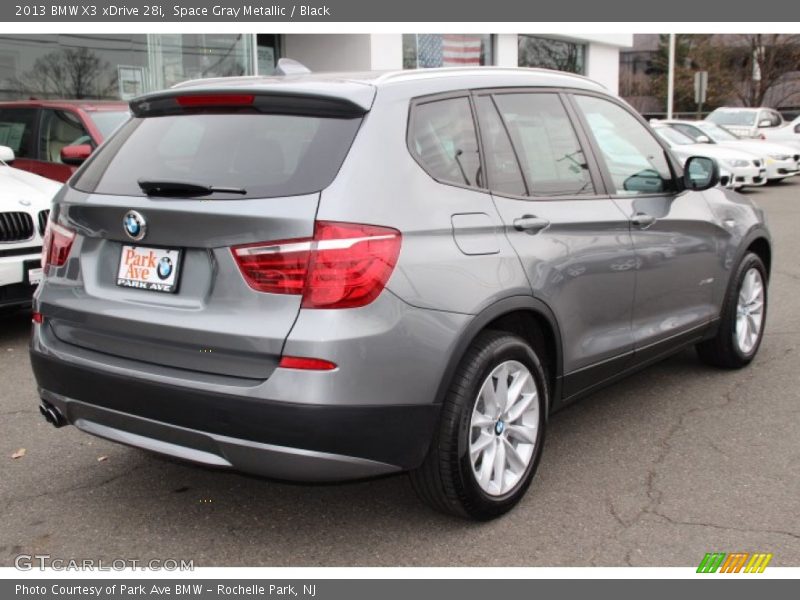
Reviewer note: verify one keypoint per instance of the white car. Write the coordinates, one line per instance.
(743, 168)
(781, 161)
(758, 123)
(788, 133)
(746, 122)
(24, 207)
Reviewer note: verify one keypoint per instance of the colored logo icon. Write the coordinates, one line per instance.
(736, 562)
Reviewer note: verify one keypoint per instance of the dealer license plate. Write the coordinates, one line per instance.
(151, 269)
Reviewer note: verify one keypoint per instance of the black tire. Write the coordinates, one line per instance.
(722, 350)
(445, 480)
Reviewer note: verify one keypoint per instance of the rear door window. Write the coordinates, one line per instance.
(267, 155)
(502, 163)
(17, 126)
(548, 149)
(442, 138)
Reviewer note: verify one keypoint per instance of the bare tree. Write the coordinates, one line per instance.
(68, 73)
(552, 54)
(764, 63)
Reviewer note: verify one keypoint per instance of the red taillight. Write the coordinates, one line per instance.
(306, 364)
(56, 245)
(203, 100)
(345, 265)
(37, 318)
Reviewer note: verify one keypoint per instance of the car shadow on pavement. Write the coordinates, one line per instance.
(12, 322)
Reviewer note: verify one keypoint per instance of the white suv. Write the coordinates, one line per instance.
(24, 207)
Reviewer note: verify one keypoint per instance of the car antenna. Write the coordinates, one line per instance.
(289, 66)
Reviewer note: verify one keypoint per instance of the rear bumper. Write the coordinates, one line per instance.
(290, 441)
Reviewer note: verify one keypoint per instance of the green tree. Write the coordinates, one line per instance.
(694, 53)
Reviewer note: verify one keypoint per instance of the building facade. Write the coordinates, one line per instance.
(124, 66)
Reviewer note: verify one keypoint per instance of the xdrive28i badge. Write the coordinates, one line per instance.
(135, 225)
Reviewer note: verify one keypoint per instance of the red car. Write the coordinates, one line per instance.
(52, 137)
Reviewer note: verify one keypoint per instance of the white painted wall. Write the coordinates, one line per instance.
(386, 51)
(602, 65)
(345, 52)
(506, 50)
(354, 52)
(330, 52)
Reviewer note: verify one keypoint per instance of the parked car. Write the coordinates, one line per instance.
(747, 122)
(743, 168)
(52, 137)
(24, 206)
(781, 161)
(758, 123)
(323, 278)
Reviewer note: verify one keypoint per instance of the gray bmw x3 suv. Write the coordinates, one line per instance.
(329, 277)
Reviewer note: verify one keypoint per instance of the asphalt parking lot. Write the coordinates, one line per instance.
(677, 461)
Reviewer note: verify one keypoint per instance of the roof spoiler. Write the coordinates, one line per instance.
(286, 102)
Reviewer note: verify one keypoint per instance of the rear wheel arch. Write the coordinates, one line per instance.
(761, 247)
(525, 316)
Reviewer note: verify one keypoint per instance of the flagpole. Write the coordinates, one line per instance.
(671, 75)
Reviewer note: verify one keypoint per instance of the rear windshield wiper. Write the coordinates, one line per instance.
(184, 188)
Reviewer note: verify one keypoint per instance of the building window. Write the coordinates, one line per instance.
(179, 57)
(268, 52)
(116, 67)
(547, 53)
(425, 50)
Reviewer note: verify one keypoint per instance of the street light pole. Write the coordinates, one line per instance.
(671, 75)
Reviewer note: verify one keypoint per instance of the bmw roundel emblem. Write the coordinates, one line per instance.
(164, 268)
(135, 225)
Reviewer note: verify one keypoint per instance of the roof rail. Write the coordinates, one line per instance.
(289, 66)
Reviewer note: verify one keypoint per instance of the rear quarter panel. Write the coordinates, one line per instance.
(380, 183)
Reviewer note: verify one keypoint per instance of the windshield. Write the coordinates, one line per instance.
(108, 120)
(716, 133)
(673, 136)
(742, 118)
(260, 155)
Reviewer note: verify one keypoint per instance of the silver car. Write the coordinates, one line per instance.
(330, 277)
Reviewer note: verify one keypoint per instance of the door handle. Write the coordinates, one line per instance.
(530, 224)
(643, 220)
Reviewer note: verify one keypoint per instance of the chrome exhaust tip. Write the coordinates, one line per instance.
(52, 415)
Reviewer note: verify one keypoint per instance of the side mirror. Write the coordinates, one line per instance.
(765, 123)
(75, 155)
(703, 139)
(700, 173)
(6, 154)
(797, 128)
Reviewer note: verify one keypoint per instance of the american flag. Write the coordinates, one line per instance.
(448, 50)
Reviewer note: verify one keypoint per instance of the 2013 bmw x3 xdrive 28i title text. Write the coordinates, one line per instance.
(323, 277)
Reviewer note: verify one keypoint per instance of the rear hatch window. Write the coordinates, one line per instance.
(261, 155)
